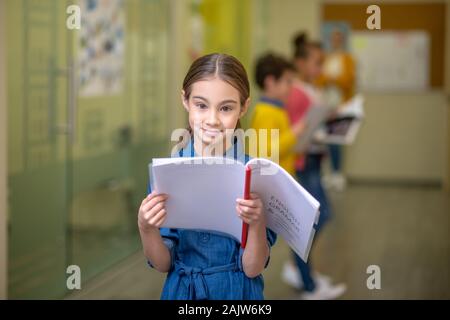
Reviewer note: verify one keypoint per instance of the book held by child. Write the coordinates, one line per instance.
(203, 193)
(342, 128)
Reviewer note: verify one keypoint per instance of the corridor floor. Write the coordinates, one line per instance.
(403, 230)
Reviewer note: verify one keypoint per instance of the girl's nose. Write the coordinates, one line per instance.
(212, 119)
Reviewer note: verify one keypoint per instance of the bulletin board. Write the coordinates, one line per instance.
(101, 47)
(426, 17)
(391, 60)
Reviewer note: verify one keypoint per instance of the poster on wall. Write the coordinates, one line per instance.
(327, 30)
(391, 60)
(101, 47)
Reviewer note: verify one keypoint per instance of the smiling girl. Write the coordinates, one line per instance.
(206, 265)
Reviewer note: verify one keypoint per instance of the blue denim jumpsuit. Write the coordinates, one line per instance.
(208, 265)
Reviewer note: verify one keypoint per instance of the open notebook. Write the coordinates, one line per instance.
(203, 191)
(341, 129)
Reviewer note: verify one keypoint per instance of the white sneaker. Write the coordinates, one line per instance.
(335, 181)
(339, 181)
(291, 276)
(324, 291)
(321, 277)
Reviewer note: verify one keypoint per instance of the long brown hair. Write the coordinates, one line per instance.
(223, 66)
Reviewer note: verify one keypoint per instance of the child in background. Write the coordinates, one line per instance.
(206, 265)
(274, 76)
(338, 78)
(308, 59)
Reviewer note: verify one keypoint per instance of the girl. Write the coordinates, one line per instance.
(308, 59)
(205, 265)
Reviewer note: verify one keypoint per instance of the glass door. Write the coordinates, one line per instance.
(37, 147)
(120, 122)
(87, 110)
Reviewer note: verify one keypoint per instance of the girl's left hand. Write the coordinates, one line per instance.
(251, 210)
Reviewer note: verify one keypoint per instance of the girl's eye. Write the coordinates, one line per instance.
(226, 108)
(202, 106)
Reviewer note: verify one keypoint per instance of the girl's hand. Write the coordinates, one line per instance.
(152, 212)
(299, 127)
(251, 210)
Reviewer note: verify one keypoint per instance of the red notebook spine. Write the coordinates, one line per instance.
(248, 176)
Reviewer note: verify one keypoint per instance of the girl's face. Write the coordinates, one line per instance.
(337, 40)
(213, 106)
(310, 68)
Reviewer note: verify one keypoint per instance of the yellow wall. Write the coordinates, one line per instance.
(222, 36)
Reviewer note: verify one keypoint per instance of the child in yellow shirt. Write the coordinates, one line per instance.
(274, 76)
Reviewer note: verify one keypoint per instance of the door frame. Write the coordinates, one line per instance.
(3, 157)
(447, 92)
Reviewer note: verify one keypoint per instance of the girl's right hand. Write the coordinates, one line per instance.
(152, 211)
(299, 127)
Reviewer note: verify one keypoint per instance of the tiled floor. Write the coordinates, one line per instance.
(403, 230)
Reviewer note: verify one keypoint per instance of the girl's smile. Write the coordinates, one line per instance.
(213, 133)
